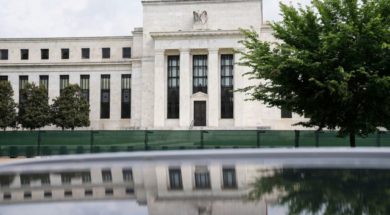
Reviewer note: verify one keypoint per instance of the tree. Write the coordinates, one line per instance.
(326, 191)
(70, 110)
(34, 109)
(7, 106)
(331, 63)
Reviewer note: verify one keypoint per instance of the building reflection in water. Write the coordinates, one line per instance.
(163, 189)
(201, 188)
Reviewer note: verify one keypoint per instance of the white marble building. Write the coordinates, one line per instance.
(177, 72)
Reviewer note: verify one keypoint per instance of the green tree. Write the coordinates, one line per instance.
(326, 191)
(7, 106)
(70, 109)
(330, 63)
(34, 109)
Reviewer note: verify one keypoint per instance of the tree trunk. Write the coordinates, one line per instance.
(352, 139)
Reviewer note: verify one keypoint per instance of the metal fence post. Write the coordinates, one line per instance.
(317, 136)
(297, 138)
(378, 139)
(39, 144)
(258, 143)
(146, 140)
(91, 142)
(202, 138)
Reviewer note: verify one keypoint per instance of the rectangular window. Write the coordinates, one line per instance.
(23, 81)
(86, 177)
(3, 78)
(173, 87)
(175, 179)
(3, 54)
(27, 195)
(24, 54)
(202, 178)
(105, 97)
(200, 73)
(286, 114)
(227, 107)
(84, 85)
(126, 96)
(25, 180)
(229, 178)
(44, 81)
(47, 194)
(64, 53)
(44, 54)
(64, 82)
(88, 192)
(126, 52)
(106, 176)
(106, 53)
(127, 175)
(85, 53)
(68, 193)
(66, 178)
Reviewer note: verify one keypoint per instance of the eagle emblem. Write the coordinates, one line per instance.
(200, 17)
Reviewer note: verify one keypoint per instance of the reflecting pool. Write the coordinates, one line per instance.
(223, 182)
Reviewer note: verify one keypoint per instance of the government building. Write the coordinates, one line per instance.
(178, 72)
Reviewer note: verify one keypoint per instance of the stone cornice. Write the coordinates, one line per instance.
(50, 39)
(210, 33)
(156, 2)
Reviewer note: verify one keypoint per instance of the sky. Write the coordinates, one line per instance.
(59, 18)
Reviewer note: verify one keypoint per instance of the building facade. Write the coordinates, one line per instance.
(179, 71)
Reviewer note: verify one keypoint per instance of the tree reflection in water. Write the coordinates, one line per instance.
(327, 191)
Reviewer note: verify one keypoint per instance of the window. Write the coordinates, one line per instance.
(44, 54)
(86, 177)
(173, 87)
(3, 78)
(68, 193)
(126, 97)
(7, 196)
(23, 81)
(127, 175)
(64, 53)
(126, 52)
(47, 194)
(106, 53)
(202, 178)
(27, 195)
(200, 73)
(229, 178)
(44, 81)
(106, 176)
(66, 178)
(25, 180)
(109, 191)
(88, 193)
(84, 85)
(3, 54)
(85, 53)
(227, 66)
(286, 114)
(105, 97)
(24, 54)
(129, 191)
(64, 82)
(175, 179)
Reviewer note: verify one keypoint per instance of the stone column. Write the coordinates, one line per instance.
(213, 88)
(185, 88)
(159, 89)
